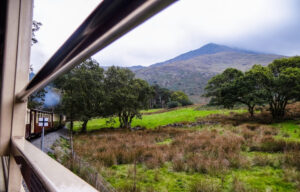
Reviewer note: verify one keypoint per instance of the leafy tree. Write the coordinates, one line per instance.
(232, 87)
(82, 92)
(36, 100)
(279, 82)
(181, 98)
(35, 27)
(248, 92)
(161, 97)
(221, 88)
(276, 84)
(126, 95)
(172, 104)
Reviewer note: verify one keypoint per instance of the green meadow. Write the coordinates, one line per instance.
(254, 157)
(152, 121)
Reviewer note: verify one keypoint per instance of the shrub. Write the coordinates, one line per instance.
(269, 144)
(172, 104)
(178, 165)
(186, 102)
(266, 160)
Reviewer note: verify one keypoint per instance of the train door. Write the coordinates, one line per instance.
(32, 121)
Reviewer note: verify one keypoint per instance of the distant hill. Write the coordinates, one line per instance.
(190, 71)
(132, 68)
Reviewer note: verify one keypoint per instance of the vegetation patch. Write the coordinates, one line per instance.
(173, 159)
(248, 156)
(154, 120)
(165, 142)
(289, 130)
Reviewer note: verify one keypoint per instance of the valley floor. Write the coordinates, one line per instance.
(224, 151)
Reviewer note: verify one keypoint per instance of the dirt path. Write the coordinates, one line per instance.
(50, 139)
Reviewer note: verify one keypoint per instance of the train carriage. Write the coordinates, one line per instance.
(34, 128)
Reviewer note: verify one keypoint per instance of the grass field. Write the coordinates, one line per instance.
(244, 156)
(165, 180)
(151, 110)
(213, 158)
(159, 119)
(289, 130)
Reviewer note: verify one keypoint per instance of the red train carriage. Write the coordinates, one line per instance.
(33, 127)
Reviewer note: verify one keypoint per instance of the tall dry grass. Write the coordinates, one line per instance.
(192, 151)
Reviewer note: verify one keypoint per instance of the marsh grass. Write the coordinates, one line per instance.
(237, 154)
(192, 151)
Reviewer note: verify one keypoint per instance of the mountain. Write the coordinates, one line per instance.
(132, 68)
(190, 71)
(136, 68)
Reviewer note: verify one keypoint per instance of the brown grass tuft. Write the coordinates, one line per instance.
(205, 185)
(195, 151)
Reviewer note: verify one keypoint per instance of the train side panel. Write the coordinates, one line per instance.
(55, 121)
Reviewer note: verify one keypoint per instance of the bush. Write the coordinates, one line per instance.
(172, 104)
(269, 144)
(178, 165)
(267, 160)
(186, 102)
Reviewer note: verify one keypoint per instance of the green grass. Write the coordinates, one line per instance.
(289, 130)
(154, 120)
(165, 142)
(163, 179)
(151, 110)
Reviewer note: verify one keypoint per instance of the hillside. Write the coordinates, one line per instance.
(190, 71)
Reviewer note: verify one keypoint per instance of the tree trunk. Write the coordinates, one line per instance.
(251, 110)
(83, 130)
(121, 122)
(278, 109)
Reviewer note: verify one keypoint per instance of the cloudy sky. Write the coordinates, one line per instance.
(270, 26)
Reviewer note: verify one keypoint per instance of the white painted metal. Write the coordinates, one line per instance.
(55, 176)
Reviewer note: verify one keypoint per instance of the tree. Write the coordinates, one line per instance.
(248, 92)
(232, 87)
(82, 92)
(222, 88)
(126, 95)
(279, 82)
(181, 98)
(35, 27)
(161, 97)
(36, 100)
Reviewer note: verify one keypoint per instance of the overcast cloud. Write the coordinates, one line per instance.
(270, 26)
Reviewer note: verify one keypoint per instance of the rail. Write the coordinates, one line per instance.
(42, 173)
(109, 21)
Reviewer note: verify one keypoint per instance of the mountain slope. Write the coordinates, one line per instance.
(190, 71)
(207, 49)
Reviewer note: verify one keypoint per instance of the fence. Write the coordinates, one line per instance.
(89, 174)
